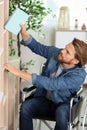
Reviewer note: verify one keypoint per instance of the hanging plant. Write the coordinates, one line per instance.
(12, 51)
(37, 13)
(25, 66)
(36, 10)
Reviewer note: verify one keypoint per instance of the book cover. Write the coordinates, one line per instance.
(13, 24)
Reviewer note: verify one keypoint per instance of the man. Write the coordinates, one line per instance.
(62, 77)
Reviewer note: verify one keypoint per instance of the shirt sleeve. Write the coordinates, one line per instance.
(26, 43)
(40, 49)
(63, 82)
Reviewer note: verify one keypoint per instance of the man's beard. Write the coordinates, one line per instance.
(62, 60)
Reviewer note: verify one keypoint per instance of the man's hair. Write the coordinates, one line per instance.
(81, 51)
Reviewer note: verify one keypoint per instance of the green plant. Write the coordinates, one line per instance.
(12, 51)
(37, 13)
(36, 10)
(25, 66)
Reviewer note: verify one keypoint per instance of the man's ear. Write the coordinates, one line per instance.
(75, 61)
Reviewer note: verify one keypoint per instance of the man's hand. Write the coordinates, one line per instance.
(18, 72)
(23, 27)
(25, 35)
(10, 68)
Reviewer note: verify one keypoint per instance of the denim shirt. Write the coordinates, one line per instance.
(63, 86)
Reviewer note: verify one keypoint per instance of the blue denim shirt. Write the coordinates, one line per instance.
(63, 86)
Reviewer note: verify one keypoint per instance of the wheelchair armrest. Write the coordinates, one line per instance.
(27, 93)
(76, 96)
(28, 89)
(79, 92)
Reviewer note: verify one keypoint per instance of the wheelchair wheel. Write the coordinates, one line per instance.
(84, 123)
(82, 115)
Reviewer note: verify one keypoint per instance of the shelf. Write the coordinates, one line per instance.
(72, 29)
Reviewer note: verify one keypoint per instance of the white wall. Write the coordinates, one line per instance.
(77, 11)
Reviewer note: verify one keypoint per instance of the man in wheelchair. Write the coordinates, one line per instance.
(61, 78)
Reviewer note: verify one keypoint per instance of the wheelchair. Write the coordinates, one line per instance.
(78, 110)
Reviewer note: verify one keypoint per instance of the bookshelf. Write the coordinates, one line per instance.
(3, 59)
(9, 84)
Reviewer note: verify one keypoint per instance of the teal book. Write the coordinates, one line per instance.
(13, 24)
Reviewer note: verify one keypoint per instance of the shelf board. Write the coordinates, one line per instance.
(72, 29)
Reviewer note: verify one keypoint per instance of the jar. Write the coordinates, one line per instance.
(64, 18)
(83, 27)
(76, 23)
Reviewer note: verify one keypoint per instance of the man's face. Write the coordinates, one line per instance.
(67, 55)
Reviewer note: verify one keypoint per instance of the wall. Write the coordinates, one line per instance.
(77, 9)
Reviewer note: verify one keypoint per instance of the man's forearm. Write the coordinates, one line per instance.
(17, 72)
(24, 75)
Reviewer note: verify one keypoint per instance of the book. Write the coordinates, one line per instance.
(18, 17)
